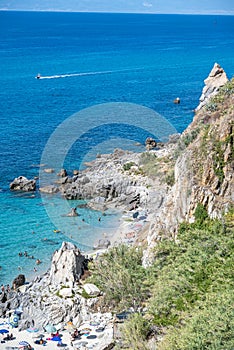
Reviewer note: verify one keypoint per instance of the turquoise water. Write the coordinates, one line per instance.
(144, 59)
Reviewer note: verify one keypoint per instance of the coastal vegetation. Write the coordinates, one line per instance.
(185, 299)
(219, 101)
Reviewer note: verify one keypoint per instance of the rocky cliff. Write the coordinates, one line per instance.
(204, 164)
(54, 297)
(216, 79)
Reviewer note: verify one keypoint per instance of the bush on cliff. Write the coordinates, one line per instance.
(187, 293)
(120, 275)
(210, 325)
(135, 332)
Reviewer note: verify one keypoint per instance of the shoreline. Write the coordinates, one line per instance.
(123, 234)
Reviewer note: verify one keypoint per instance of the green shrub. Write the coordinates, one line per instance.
(170, 177)
(200, 215)
(120, 275)
(188, 138)
(211, 326)
(127, 166)
(149, 164)
(135, 332)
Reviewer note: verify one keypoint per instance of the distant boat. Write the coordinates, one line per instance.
(177, 100)
(38, 76)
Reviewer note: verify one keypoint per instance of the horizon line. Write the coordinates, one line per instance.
(224, 13)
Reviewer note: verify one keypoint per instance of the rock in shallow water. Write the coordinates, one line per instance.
(21, 183)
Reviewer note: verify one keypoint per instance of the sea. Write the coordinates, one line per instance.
(87, 62)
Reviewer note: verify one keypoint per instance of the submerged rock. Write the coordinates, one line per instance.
(49, 170)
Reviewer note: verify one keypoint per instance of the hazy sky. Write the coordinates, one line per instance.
(154, 6)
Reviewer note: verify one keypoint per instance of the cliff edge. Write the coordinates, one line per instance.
(203, 169)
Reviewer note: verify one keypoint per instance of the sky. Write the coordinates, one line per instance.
(140, 6)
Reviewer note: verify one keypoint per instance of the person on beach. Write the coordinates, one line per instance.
(2, 288)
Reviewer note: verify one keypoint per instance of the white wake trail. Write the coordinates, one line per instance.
(80, 74)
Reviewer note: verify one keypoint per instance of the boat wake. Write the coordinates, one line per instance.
(80, 74)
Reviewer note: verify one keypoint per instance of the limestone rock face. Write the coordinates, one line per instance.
(203, 172)
(216, 79)
(68, 264)
(21, 183)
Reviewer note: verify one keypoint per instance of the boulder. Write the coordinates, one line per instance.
(68, 265)
(91, 289)
(50, 189)
(49, 170)
(62, 173)
(72, 213)
(62, 180)
(102, 244)
(21, 183)
(66, 292)
(216, 79)
(18, 281)
(150, 143)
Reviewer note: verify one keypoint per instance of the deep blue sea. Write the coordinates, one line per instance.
(88, 59)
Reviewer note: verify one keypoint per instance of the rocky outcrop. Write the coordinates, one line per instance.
(68, 265)
(106, 182)
(216, 79)
(21, 183)
(203, 171)
(53, 297)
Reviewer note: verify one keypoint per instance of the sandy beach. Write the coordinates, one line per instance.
(94, 334)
